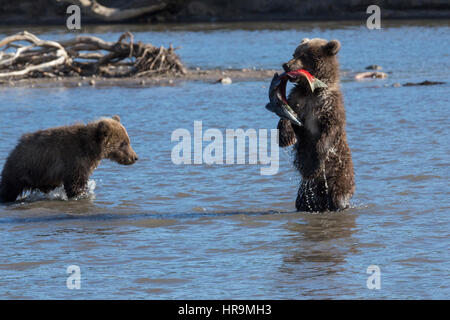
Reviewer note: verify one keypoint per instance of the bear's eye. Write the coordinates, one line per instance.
(123, 144)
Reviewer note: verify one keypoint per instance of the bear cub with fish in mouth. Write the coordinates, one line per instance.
(322, 154)
(47, 159)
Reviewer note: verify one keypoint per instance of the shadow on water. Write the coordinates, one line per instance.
(312, 225)
(86, 209)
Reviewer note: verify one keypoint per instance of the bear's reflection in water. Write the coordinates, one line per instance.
(319, 243)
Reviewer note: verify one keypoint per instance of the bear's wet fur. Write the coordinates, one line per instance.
(322, 154)
(47, 159)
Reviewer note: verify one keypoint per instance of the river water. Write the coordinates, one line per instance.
(157, 230)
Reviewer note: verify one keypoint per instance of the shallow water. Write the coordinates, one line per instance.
(156, 230)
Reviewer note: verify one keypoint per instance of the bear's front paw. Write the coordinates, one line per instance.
(286, 134)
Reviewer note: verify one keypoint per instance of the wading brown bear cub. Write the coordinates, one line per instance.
(47, 159)
(322, 154)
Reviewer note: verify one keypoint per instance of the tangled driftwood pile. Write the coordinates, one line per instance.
(24, 55)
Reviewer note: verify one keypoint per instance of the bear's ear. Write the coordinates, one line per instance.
(102, 130)
(332, 47)
(116, 117)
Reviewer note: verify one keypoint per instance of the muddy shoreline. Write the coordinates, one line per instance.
(212, 76)
(207, 75)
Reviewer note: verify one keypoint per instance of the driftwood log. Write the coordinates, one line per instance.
(84, 56)
(101, 12)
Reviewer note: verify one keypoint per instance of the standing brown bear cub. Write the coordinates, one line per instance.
(322, 154)
(47, 159)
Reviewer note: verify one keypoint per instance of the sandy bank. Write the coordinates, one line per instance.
(212, 76)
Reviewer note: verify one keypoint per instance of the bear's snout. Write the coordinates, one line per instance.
(132, 158)
(292, 65)
(127, 162)
(124, 156)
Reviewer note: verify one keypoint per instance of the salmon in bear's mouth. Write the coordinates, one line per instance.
(277, 92)
(294, 76)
